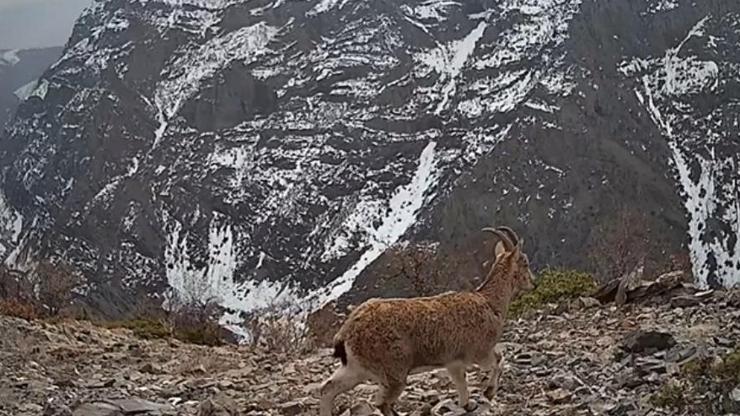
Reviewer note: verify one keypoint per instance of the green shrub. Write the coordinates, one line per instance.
(554, 286)
(671, 396)
(725, 371)
(711, 380)
(143, 328)
(728, 370)
(199, 333)
(203, 335)
(696, 368)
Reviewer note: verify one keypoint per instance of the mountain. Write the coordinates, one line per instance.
(270, 151)
(19, 70)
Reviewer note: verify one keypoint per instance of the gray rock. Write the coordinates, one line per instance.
(97, 409)
(363, 409)
(221, 405)
(558, 396)
(640, 341)
(151, 369)
(685, 301)
(646, 365)
(724, 342)
(54, 408)
(448, 407)
(292, 408)
(136, 406)
(588, 302)
(529, 359)
(679, 356)
(735, 394)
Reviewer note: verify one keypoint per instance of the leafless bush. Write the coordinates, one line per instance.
(322, 324)
(427, 269)
(197, 322)
(14, 284)
(19, 309)
(148, 307)
(626, 242)
(54, 285)
(17, 295)
(278, 327)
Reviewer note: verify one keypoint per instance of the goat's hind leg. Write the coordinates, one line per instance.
(344, 379)
(390, 391)
(492, 365)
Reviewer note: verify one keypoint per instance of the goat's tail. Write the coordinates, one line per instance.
(340, 351)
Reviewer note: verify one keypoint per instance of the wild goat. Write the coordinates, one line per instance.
(385, 340)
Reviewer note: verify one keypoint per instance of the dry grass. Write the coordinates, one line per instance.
(18, 308)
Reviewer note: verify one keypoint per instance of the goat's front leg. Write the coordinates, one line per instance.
(492, 365)
(457, 374)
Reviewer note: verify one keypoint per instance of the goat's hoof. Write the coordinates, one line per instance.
(387, 411)
(489, 393)
(470, 406)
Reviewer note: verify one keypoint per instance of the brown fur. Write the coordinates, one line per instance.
(388, 339)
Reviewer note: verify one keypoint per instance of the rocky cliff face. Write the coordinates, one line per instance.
(262, 150)
(19, 70)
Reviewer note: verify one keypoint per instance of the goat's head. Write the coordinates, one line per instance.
(509, 251)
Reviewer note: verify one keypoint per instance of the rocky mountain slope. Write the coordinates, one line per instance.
(19, 70)
(577, 360)
(272, 149)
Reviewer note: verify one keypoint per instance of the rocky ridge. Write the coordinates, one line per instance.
(579, 358)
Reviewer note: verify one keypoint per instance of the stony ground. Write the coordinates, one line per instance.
(569, 361)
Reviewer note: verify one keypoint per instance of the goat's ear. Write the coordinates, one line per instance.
(499, 249)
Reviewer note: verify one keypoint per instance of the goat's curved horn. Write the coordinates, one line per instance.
(512, 235)
(508, 245)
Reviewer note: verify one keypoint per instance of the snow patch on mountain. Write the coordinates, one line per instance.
(434, 9)
(448, 61)
(25, 91)
(195, 16)
(239, 159)
(35, 88)
(186, 73)
(107, 192)
(9, 58)
(215, 281)
(400, 216)
(542, 27)
(11, 223)
(657, 6)
(709, 197)
(324, 6)
(498, 95)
